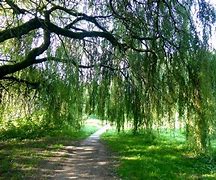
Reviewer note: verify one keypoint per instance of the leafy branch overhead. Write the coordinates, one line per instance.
(48, 28)
(141, 23)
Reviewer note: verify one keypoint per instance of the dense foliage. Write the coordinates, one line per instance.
(143, 62)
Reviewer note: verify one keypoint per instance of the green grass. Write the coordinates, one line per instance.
(161, 158)
(21, 159)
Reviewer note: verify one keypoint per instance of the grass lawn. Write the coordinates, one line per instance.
(161, 158)
(20, 159)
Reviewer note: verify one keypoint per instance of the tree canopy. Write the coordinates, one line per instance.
(144, 62)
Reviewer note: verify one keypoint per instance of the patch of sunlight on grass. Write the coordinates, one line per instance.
(153, 147)
(165, 158)
(209, 176)
(131, 158)
(171, 157)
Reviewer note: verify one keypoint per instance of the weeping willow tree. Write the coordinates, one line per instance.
(143, 62)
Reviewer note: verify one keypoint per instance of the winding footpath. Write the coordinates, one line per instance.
(87, 160)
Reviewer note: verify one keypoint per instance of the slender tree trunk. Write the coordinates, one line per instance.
(202, 134)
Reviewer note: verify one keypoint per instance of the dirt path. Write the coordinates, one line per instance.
(88, 160)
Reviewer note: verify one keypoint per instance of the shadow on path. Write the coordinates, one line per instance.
(88, 160)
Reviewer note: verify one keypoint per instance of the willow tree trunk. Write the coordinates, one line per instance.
(202, 138)
(200, 124)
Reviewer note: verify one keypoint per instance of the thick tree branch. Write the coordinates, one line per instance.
(81, 35)
(20, 30)
(29, 60)
(34, 85)
(49, 27)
